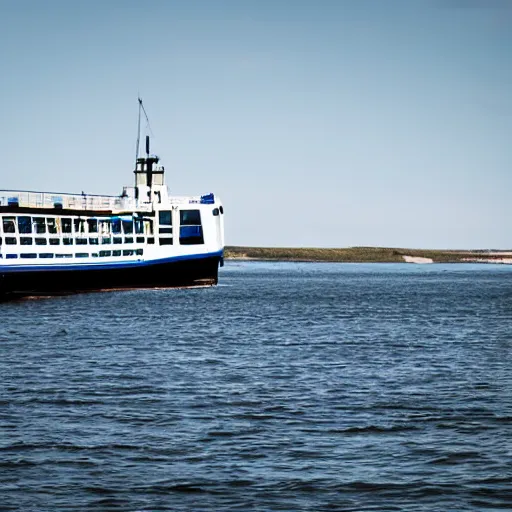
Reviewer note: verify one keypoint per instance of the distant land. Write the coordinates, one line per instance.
(367, 255)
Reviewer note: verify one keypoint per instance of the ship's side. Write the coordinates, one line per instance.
(46, 251)
(67, 243)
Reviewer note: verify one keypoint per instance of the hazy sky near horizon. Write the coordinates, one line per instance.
(319, 123)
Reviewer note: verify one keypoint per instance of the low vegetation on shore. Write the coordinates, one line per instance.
(354, 254)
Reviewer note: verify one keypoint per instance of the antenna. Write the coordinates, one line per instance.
(138, 134)
(147, 145)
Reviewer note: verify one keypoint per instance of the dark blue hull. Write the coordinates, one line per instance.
(199, 270)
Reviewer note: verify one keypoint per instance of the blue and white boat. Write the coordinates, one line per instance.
(53, 243)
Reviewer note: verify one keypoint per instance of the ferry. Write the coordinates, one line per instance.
(54, 243)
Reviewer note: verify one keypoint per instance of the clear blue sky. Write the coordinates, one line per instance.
(319, 123)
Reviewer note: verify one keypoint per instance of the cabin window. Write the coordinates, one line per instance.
(66, 225)
(118, 240)
(127, 227)
(139, 252)
(116, 226)
(25, 240)
(11, 256)
(54, 241)
(52, 226)
(165, 241)
(116, 253)
(39, 225)
(81, 241)
(41, 241)
(106, 240)
(221, 209)
(140, 239)
(191, 231)
(81, 255)
(46, 255)
(128, 252)
(128, 240)
(215, 212)
(104, 226)
(148, 226)
(92, 225)
(63, 255)
(104, 254)
(79, 225)
(28, 255)
(8, 225)
(165, 222)
(10, 240)
(24, 225)
(93, 241)
(165, 218)
(139, 226)
(0, 240)
(151, 240)
(94, 254)
(67, 241)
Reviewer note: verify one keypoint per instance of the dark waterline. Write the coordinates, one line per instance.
(289, 387)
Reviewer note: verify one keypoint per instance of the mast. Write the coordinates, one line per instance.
(148, 177)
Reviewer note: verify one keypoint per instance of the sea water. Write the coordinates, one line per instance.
(288, 387)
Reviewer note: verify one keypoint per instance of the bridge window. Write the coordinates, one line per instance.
(191, 231)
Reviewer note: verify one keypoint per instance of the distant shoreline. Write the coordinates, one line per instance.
(366, 255)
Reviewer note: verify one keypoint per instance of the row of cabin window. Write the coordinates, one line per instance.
(187, 218)
(27, 240)
(55, 225)
(41, 225)
(95, 241)
(101, 254)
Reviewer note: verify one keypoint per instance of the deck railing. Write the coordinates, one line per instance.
(29, 199)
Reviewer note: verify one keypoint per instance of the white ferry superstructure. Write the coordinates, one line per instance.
(52, 243)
